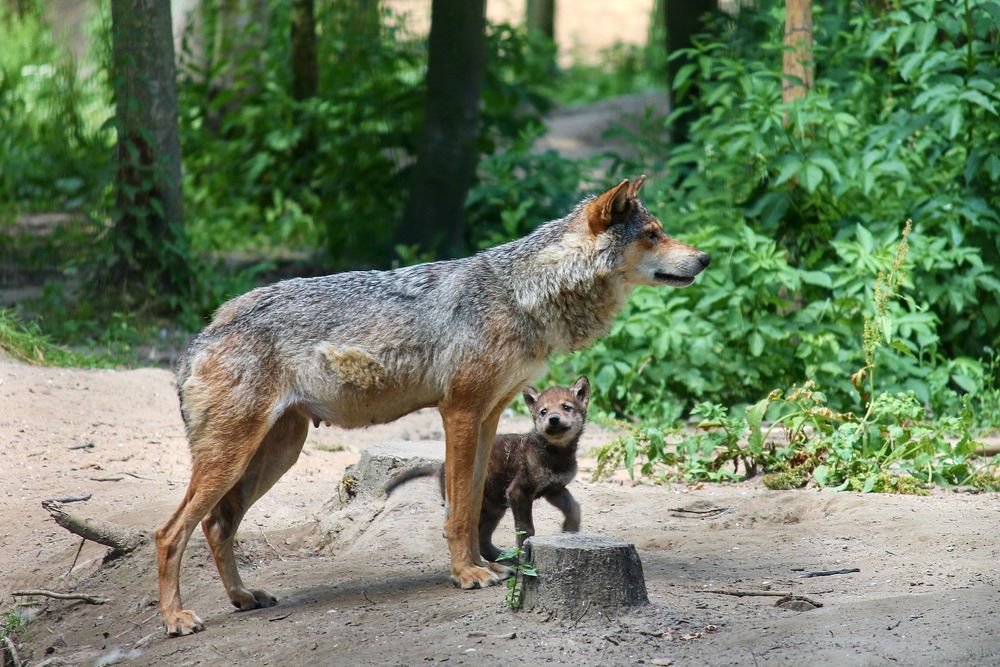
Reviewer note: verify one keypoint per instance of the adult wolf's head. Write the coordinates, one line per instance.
(639, 248)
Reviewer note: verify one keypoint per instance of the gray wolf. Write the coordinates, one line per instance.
(527, 466)
(367, 347)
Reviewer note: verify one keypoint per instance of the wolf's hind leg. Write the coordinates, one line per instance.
(276, 454)
(218, 464)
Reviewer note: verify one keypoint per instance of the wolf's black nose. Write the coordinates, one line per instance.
(554, 419)
(704, 259)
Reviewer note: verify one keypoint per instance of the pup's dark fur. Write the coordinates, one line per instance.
(527, 466)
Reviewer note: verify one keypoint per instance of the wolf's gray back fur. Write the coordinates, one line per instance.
(333, 340)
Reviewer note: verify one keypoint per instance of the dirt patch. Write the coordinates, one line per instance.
(377, 593)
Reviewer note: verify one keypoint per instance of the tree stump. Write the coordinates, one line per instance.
(380, 463)
(577, 572)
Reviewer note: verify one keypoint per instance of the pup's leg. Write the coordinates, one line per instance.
(520, 507)
(219, 462)
(489, 519)
(276, 454)
(570, 509)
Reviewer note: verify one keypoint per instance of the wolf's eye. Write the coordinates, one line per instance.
(653, 235)
(543, 411)
(567, 407)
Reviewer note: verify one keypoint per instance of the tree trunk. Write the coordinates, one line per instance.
(685, 18)
(149, 240)
(304, 66)
(446, 163)
(798, 60)
(541, 15)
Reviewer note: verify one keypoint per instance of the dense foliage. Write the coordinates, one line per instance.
(801, 204)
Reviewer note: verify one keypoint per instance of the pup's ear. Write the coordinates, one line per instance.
(530, 397)
(609, 208)
(635, 186)
(582, 391)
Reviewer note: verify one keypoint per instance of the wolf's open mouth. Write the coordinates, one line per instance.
(671, 278)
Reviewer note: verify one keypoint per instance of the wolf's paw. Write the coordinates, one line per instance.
(474, 576)
(182, 622)
(245, 599)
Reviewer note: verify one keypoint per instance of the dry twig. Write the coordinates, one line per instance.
(90, 599)
(70, 499)
(739, 592)
(12, 650)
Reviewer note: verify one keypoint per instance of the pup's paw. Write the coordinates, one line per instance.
(245, 599)
(474, 576)
(501, 570)
(182, 622)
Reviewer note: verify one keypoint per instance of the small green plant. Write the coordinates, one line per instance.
(514, 597)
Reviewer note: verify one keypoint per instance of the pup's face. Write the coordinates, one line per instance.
(559, 412)
(646, 255)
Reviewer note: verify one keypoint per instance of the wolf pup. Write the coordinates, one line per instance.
(527, 466)
(367, 347)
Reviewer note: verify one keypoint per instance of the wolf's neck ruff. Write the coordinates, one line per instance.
(563, 282)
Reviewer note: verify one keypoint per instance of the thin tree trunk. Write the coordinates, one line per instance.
(148, 232)
(304, 65)
(685, 18)
(798, 59)
(446, 164)
(541, 15)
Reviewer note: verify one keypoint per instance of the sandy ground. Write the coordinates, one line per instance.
(374, 590)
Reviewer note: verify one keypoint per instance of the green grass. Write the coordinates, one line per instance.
(26, 342)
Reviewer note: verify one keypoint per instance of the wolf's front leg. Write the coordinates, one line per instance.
(468, 440)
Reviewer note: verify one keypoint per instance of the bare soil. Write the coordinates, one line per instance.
(369, 586)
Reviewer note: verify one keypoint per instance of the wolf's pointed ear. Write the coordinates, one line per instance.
(608, 209)
(530, 395)
(635, 186)
(582, 390)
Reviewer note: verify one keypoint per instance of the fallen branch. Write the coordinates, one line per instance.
(121, 539)
(830, 573)
(85, 445)
(91, 599)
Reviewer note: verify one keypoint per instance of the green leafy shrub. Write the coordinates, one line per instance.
(893, 447)
(800, 204)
